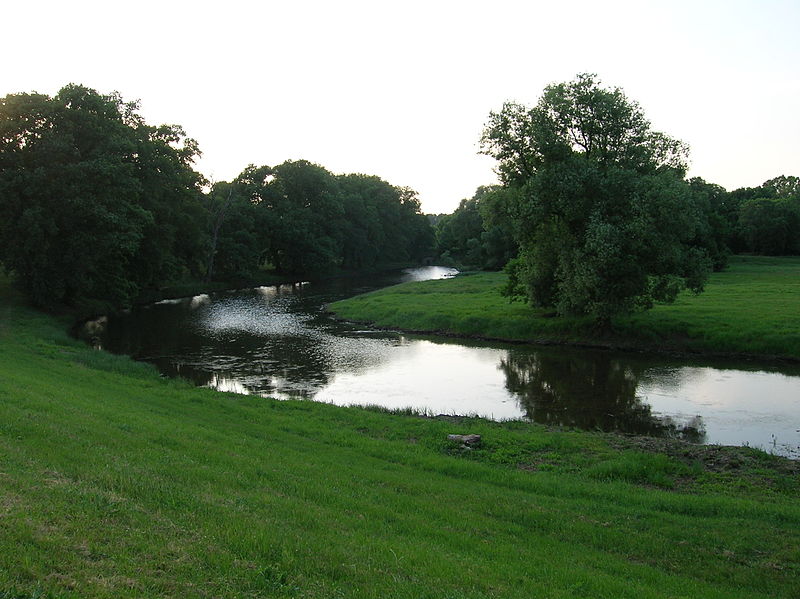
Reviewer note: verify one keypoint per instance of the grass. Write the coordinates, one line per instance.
(115, 482)
(752, 308)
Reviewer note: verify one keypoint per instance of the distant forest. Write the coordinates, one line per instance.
(98, 208)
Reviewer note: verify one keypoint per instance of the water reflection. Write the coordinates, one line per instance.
(199, 300)
(594, 391)
(278, 341)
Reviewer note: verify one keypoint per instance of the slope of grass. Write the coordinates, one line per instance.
(751, 308)
(115, 482)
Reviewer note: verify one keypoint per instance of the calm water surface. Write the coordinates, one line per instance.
(277, 341)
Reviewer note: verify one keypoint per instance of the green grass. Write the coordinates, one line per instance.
(752, 308)
(115, 482)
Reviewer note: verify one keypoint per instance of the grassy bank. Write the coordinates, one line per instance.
(752, 308)
(115, 482)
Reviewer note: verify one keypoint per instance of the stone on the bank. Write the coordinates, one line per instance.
(468, 440)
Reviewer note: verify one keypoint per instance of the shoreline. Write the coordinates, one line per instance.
(117, 481)
(748, 312)
(772, 359)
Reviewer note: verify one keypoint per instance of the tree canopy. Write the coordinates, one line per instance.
(605, 220)
(478, 233)
(96, 204)
(303, 219)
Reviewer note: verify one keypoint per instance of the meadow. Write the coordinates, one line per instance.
(752, 309)
(116, 482)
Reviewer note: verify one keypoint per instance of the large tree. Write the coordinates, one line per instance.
(94, 203)
(605, 220)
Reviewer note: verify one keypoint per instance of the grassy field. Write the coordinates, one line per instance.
(752, 308)
(115, 482)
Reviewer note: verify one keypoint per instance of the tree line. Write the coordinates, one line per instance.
(97, 207)
(593, 215)
(763, 220)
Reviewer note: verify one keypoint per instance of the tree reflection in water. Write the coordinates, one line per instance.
(595, 392)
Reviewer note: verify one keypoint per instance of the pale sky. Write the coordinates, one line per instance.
(402, 89)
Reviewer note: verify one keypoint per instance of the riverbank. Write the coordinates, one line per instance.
(266, 278)
(749, 310)
(115, 482)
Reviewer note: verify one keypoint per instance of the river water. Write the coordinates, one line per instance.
(279, 342)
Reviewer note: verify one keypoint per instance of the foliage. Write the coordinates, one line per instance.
(381, 223)
(95, 205)
(715, 224)
(299, 218)
(239, 232)
(476, 235)
(764, 219)
(770, 226)
(606, 223)
(783, 186)
(458, 235)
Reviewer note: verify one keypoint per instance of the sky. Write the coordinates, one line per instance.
(402, 90)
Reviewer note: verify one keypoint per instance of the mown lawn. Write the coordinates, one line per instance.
(115, 482)
(751, 308)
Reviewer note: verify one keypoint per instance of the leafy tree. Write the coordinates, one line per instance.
(94, 204)
(605, 219)
(764, 219)
(299, 218)
(496, 204)
(458, 235)
(770, 226)
(382, 223)
(97, 206)
(716, 222)
(783, 187)
(416, 235)
(476, 234)
(303, 214)
(363, 234)
(238, 229)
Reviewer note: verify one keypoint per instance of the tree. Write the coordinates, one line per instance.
(94, 204)
(239, 232)
(382, 223)
(784, 187)
(770, 226)
(301, 219)
(766, 219)
(458, 235)
(477, 234)
(605, 220)
(498, 238)
(715, 228)
(302, 213)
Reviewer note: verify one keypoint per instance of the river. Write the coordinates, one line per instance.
(278, 341)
